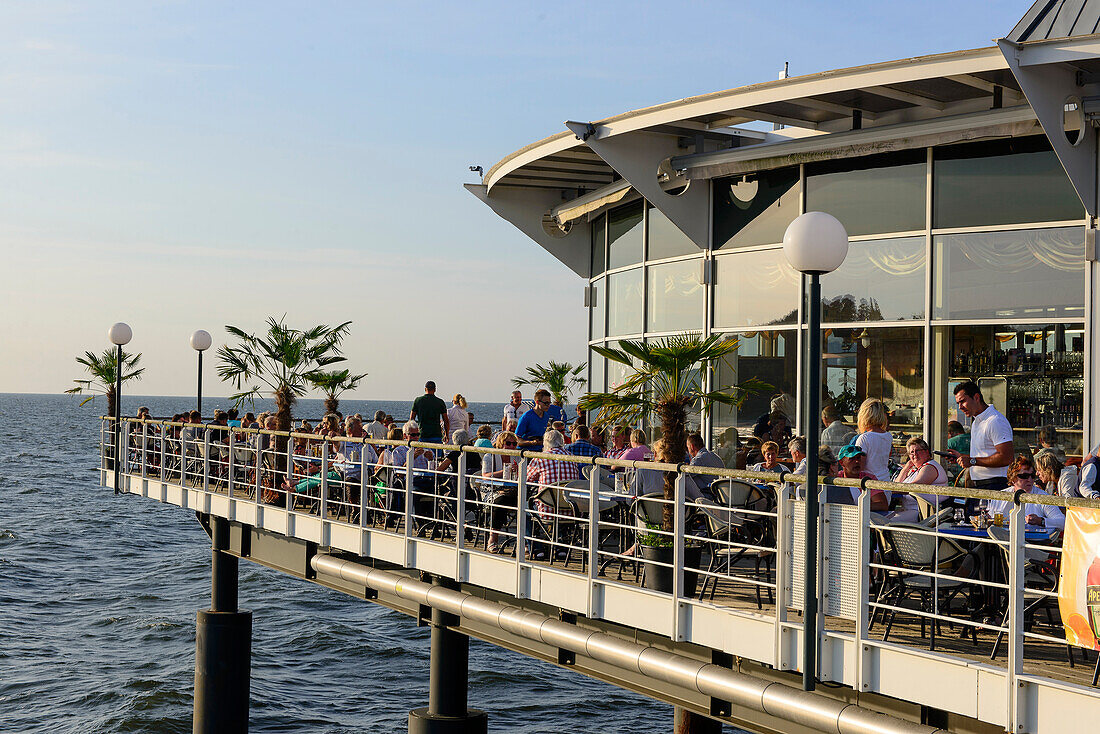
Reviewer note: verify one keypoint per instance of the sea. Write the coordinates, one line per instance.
(98, 596)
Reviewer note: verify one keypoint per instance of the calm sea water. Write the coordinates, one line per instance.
(98, 596)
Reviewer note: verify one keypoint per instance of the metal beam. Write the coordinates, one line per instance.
(833, 107)
(740, 116)
(986, 86)
(636, 157)
(908, 97)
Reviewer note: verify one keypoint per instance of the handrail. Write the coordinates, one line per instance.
(764, 477)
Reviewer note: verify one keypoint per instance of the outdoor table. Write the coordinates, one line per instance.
(1032, 533)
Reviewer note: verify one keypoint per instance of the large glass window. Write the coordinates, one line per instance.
(884, 363)
(880, 280)
(598, 311)
(597, 369)
(1035, 273)
(755, 209)
(756, 288)
(770, 356)
(1001, 182)
(599, 246)
(871, 195)
(624, 292)
(624, 235)
(664, 238)
(675, 296)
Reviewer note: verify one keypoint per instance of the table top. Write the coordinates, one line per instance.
(1031, 532)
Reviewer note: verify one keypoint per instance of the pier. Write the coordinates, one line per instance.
(724, 642)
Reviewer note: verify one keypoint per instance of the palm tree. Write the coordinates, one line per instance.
(560, 378)
(101, 367)
(666, 381)
(283, 360)
(332, 384)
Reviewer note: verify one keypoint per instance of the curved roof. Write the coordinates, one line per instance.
(904, 90)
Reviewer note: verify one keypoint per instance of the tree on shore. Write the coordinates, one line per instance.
(101, 367)
(332, 384)
(282, 360)
(560, 378)
(665, 379)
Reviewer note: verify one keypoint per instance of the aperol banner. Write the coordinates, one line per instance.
(1079, 586)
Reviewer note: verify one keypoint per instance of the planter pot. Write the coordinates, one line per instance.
(659, 577)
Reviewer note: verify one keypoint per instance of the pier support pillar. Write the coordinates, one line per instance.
(448, 679)
(688, 722)
(223, 648)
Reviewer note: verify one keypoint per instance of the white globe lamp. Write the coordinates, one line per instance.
(200, 340)
(120, 334)
(815, 243)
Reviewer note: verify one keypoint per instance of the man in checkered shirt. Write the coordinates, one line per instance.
(549, 471)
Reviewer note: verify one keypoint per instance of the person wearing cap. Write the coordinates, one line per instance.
(430, 413)
(851, 467)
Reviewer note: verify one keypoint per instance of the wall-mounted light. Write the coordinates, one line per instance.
(865, 339)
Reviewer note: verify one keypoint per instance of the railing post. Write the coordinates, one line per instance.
(863, 649)
(102, 454)
(363, 483)
(324, 485)
(593, 538)
(678, 541)
(1016, 568)
(289, 479)
(782, 577)
(144, 442)
(259, 478)
(460, 514)
(229, 462)
(521, 524)
(206, 460)
(408, 501)
(164, 429)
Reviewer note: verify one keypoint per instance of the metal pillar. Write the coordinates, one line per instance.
(120, 460)
(223, 647)
(198, 392)
(813, 439)
(688, 722)
(448, 679)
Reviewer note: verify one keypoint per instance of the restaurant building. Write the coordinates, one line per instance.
(970, 212)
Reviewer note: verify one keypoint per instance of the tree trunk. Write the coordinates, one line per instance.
(110, 399)
(284, 403)
(331, 404)
(687, 722)
(673, 416)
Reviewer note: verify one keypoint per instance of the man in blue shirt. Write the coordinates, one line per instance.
(533, 423)
(581, 445)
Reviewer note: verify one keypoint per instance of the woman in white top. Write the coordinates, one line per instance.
(457, 416)
(1056, 477)
(874, 439)
(1021, 475)
(920, 469)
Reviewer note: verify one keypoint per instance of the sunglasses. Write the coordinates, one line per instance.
(1024, 475)
(411, 435)
(510, 443)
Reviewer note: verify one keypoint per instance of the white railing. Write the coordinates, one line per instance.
(888, 585)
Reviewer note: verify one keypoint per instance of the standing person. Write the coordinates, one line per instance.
(514, 410)
(874, 439)
(991, 450)
(535, 422)
(431, 414)
(457, 415)
(835, 435)
(377, 428)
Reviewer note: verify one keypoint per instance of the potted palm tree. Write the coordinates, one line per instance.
(665, 381)
(332, 384)
(560, 378)
(101, 367)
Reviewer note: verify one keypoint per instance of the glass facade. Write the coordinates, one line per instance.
(599, 245)
(597, 312)
(916, 307)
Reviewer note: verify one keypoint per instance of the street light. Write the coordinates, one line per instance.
(815, 244)
(200, 342)
(120, 334)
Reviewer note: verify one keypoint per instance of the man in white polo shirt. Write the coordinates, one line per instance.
(514, 410)
(990, 440)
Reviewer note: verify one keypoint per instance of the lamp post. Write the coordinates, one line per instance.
(815, 244)
(200, 342)
(120, 334)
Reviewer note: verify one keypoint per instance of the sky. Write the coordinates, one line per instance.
(187, 165)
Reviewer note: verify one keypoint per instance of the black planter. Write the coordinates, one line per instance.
(659, 578)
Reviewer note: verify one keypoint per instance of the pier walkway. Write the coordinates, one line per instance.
(911, 615)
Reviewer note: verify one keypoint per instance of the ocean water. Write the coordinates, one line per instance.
(98, 596)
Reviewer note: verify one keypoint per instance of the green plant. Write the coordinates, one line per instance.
(654, 539)
(560, 378)
(665, 379)
(283, 359)
(101, 367)
(332, 384)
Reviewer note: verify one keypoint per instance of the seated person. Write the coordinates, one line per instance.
(920, 469)
(851, 467)
(1021, 476)
(501, 492)
(1056, 477)
(423, 482)
(698, 485)
(772, 427)
(484, 436)
(770, 451)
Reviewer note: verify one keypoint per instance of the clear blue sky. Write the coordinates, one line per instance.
(187, 165)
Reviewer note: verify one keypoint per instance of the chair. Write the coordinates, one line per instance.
(756, 529)
(722, 527)
(563, 517)
(913, 551)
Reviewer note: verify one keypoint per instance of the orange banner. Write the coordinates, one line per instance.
(1079, 585)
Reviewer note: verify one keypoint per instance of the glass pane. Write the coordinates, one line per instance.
(598, 308)
(1023, 274)
(755, 209)
(1033, 374)
(599, 246)
(755, 289)
(625, 303)
(665, 238)
(597, 367)
(616, 373)
(675, 297)
(880, 280)
(770, 356)
(1001, 182)
(624, 236)
(884, 363)
(871, 195)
